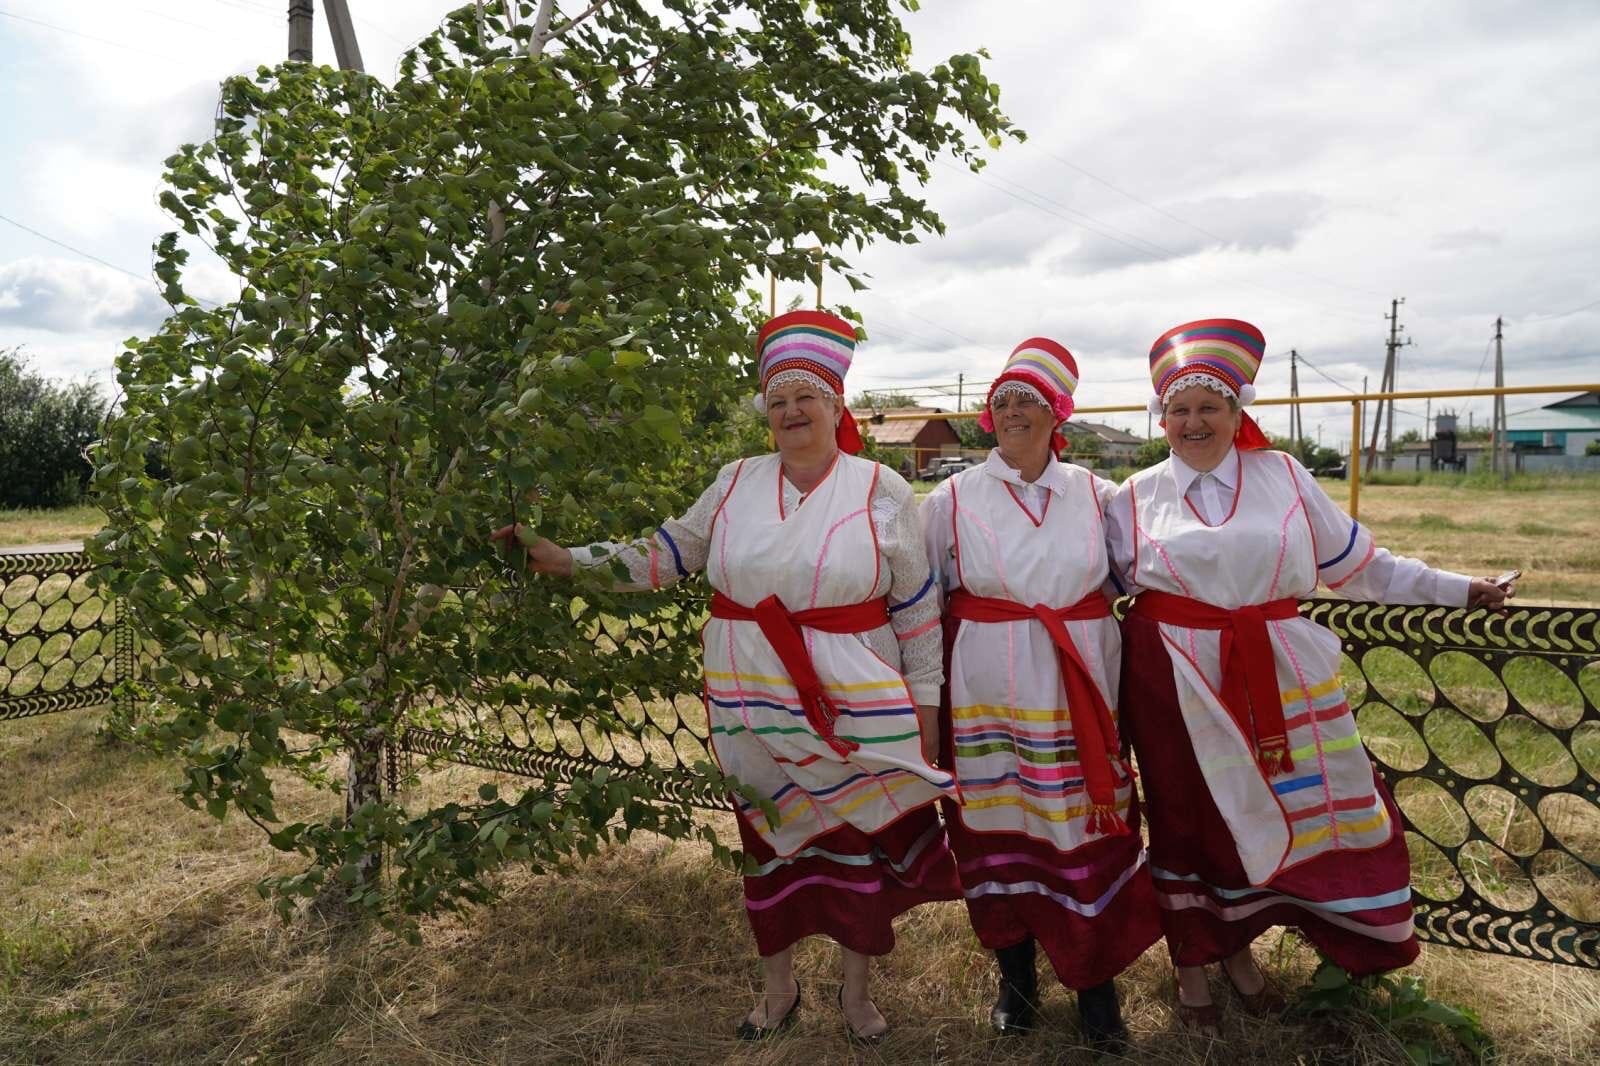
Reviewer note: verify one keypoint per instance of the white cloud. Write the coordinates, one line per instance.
(68, 296)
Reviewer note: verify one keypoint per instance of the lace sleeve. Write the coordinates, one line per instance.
(1351, 563)
(677, 549)
(913, 602)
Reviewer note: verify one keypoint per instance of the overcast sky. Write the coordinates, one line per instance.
(1295, 165)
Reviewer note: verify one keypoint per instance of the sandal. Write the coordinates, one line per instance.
(854, 1037)
(749, 1030)
(1202, 1020)
(1267, 1002)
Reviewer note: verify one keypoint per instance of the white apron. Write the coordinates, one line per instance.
(822, 554)
(1263, 551)
(1011, 728)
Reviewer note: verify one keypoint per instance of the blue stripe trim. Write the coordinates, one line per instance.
(1355, 527)
(1033, 743)
(1065, 785)
(923, 591)
(1283, 788)
(887, 712)
(1122, 590)
(677, 560)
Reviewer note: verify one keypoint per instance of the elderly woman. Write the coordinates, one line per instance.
(1047, 838)
(822, 672)
(1264, 808)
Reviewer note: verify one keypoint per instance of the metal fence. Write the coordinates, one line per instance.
(1486, 727)
(62, 645)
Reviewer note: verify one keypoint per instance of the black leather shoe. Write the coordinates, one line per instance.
(1015, 1010)
(1101, 1016)
(749, 1030)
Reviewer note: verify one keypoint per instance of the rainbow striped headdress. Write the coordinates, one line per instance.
(1045, 367)
(813, 345)
(1222, 354)
(811, 341)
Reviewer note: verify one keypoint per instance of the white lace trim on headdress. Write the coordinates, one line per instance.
(1245, 396)
(788, 377)
(1006, 388)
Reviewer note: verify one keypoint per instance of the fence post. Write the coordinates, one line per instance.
(1353, 467)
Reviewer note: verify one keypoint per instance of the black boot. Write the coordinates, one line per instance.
(1016, 1009)
(1101, 1016)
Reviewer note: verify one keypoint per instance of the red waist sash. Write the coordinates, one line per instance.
(781, 627)
(1093, 731)
(1249, 676)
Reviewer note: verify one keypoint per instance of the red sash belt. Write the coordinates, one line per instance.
(1093, 731)
(1249, 677)
(781, 627)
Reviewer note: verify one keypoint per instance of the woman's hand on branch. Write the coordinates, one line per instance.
(1483, 592)
(540, 555)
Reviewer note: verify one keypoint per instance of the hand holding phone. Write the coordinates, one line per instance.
(1506, 579)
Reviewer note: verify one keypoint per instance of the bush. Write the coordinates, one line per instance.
(44, 429)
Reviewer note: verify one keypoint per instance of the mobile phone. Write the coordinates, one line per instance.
(1507, 578)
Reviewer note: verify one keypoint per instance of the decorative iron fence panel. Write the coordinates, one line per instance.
(1486, 728)
(62, 645)
(1504, 832)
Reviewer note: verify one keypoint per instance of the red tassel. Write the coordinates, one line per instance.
(826, 715)
(1106, 821)
(1274, 758)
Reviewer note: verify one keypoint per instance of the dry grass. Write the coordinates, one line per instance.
(1552, 535)
(22, 527)
(130, 934)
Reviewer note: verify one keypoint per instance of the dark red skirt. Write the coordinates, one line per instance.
(846, 884)
(1092, 909)
(1354, 906)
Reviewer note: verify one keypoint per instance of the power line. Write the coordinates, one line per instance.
(1183, 221)
(1325, 375)
(77, 251)
(1563, 314)
(91, 37)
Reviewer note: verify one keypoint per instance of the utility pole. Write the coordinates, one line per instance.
(1296, 423)
(1501, 454)
(301, 16)
(1391, 347)
(344, 35)
(960, 391)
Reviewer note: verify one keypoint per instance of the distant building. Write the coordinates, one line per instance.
(1562, 428)
(1117, 448)
(916, 439)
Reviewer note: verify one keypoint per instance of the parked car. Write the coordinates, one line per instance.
(1335, 470)
(943, 467)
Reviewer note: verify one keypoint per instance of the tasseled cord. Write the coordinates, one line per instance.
(822, 713)
(1273, 756)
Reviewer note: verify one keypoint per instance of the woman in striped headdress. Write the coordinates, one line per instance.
(1047, 837)
(822, 671)
(1263, 807)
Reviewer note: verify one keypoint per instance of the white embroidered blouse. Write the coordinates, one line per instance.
(680, 546)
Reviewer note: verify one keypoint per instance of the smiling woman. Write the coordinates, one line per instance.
(1264, 809)
(821, 671)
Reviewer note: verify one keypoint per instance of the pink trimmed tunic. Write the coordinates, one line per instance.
(1234, 851)
(1030, 865)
